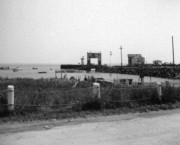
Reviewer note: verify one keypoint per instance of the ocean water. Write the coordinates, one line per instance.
(28, 72)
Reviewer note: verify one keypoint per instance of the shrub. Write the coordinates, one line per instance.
(170, 94)
(3, 107)
(92, 104)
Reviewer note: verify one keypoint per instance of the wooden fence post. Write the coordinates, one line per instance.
(10, 95)
(96, 90)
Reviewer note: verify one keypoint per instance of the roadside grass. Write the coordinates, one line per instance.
(44, 99)
(50, 115)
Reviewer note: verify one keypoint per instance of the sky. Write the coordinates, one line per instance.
(62, 31)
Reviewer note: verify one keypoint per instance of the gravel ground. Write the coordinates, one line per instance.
(153, 128)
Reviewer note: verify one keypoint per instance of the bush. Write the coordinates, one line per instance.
(57, 94)
(129, 97)
(170, 94)
(92, 104)
(3, 107)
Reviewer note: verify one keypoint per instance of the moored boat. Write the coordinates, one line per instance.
(42, 72)
(17, 69)
(4, 68)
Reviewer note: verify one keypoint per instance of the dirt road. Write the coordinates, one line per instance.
(153, 128)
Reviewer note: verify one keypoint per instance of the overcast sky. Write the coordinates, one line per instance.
(62, 31)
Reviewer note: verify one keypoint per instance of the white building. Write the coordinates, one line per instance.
(157, 62)
(134, 59)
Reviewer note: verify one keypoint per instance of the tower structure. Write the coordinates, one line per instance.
(82, 60)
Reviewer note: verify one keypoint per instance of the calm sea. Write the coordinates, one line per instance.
(28, 72)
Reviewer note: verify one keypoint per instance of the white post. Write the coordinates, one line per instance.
(159, 91)
(10, 94)
(96, 90)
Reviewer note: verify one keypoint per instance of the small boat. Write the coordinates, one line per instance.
(34, 68)
(4, 68)
(17, 69)
(42, 72)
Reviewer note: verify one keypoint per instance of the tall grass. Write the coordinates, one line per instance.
(128, 97)
(42, 92)
(170, 94)
(33, 95)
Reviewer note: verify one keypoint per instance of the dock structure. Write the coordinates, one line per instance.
(151, 71)
(93, 55)
(81, 67)
(88, 66)
(136, 66)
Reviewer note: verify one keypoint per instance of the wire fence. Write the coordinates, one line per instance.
(83, 98)
(119, 97)
(30, 101)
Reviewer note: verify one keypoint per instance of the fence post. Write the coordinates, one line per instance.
(10, 95)
(159, 91)
(96, 90)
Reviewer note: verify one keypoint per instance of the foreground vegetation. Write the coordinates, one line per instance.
(56, 98)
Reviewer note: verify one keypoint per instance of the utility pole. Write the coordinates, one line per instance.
(121, 55)
(173, 51)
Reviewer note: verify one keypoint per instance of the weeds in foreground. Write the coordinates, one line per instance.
(55, 96)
